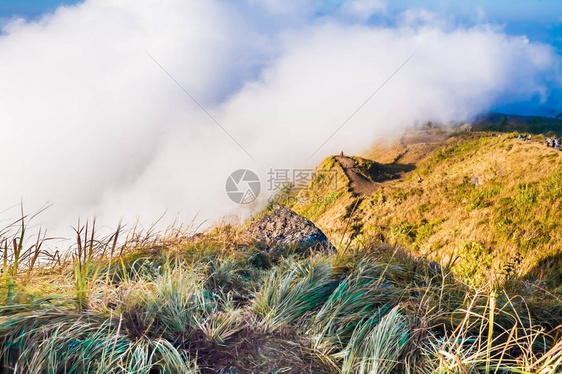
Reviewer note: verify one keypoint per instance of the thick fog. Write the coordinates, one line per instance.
(94, 121)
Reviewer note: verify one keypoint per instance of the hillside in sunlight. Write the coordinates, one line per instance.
(437, 253)
(483, 203)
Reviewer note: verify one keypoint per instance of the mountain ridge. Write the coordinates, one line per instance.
(458, 196)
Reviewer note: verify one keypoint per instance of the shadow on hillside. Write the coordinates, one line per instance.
(547, 270)
(384, 172)
(365, 174)
(397, 170)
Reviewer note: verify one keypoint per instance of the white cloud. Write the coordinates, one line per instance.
(420, 17)
(93, 125)
(326, 72)
(85, 112)
(363, 9)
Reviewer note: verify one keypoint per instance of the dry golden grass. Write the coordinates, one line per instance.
(181, 303)
(215, 302)
(490, 197)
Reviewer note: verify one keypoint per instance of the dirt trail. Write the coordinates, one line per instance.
(359, 184)
(398, 158)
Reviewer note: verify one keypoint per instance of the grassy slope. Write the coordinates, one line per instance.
(485, 204)
(214, 303)
(178, 304)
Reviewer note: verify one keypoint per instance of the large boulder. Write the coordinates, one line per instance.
(283, 230)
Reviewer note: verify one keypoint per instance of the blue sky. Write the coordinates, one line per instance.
(539, 20)
(30, 8)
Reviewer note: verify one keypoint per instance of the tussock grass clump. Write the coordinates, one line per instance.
(482, 343)
(294, 289)
(162, 306)
(376, 344)
(63, 342)
(363, 294)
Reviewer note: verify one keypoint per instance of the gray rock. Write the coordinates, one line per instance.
(284, 230)
(475, 180)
